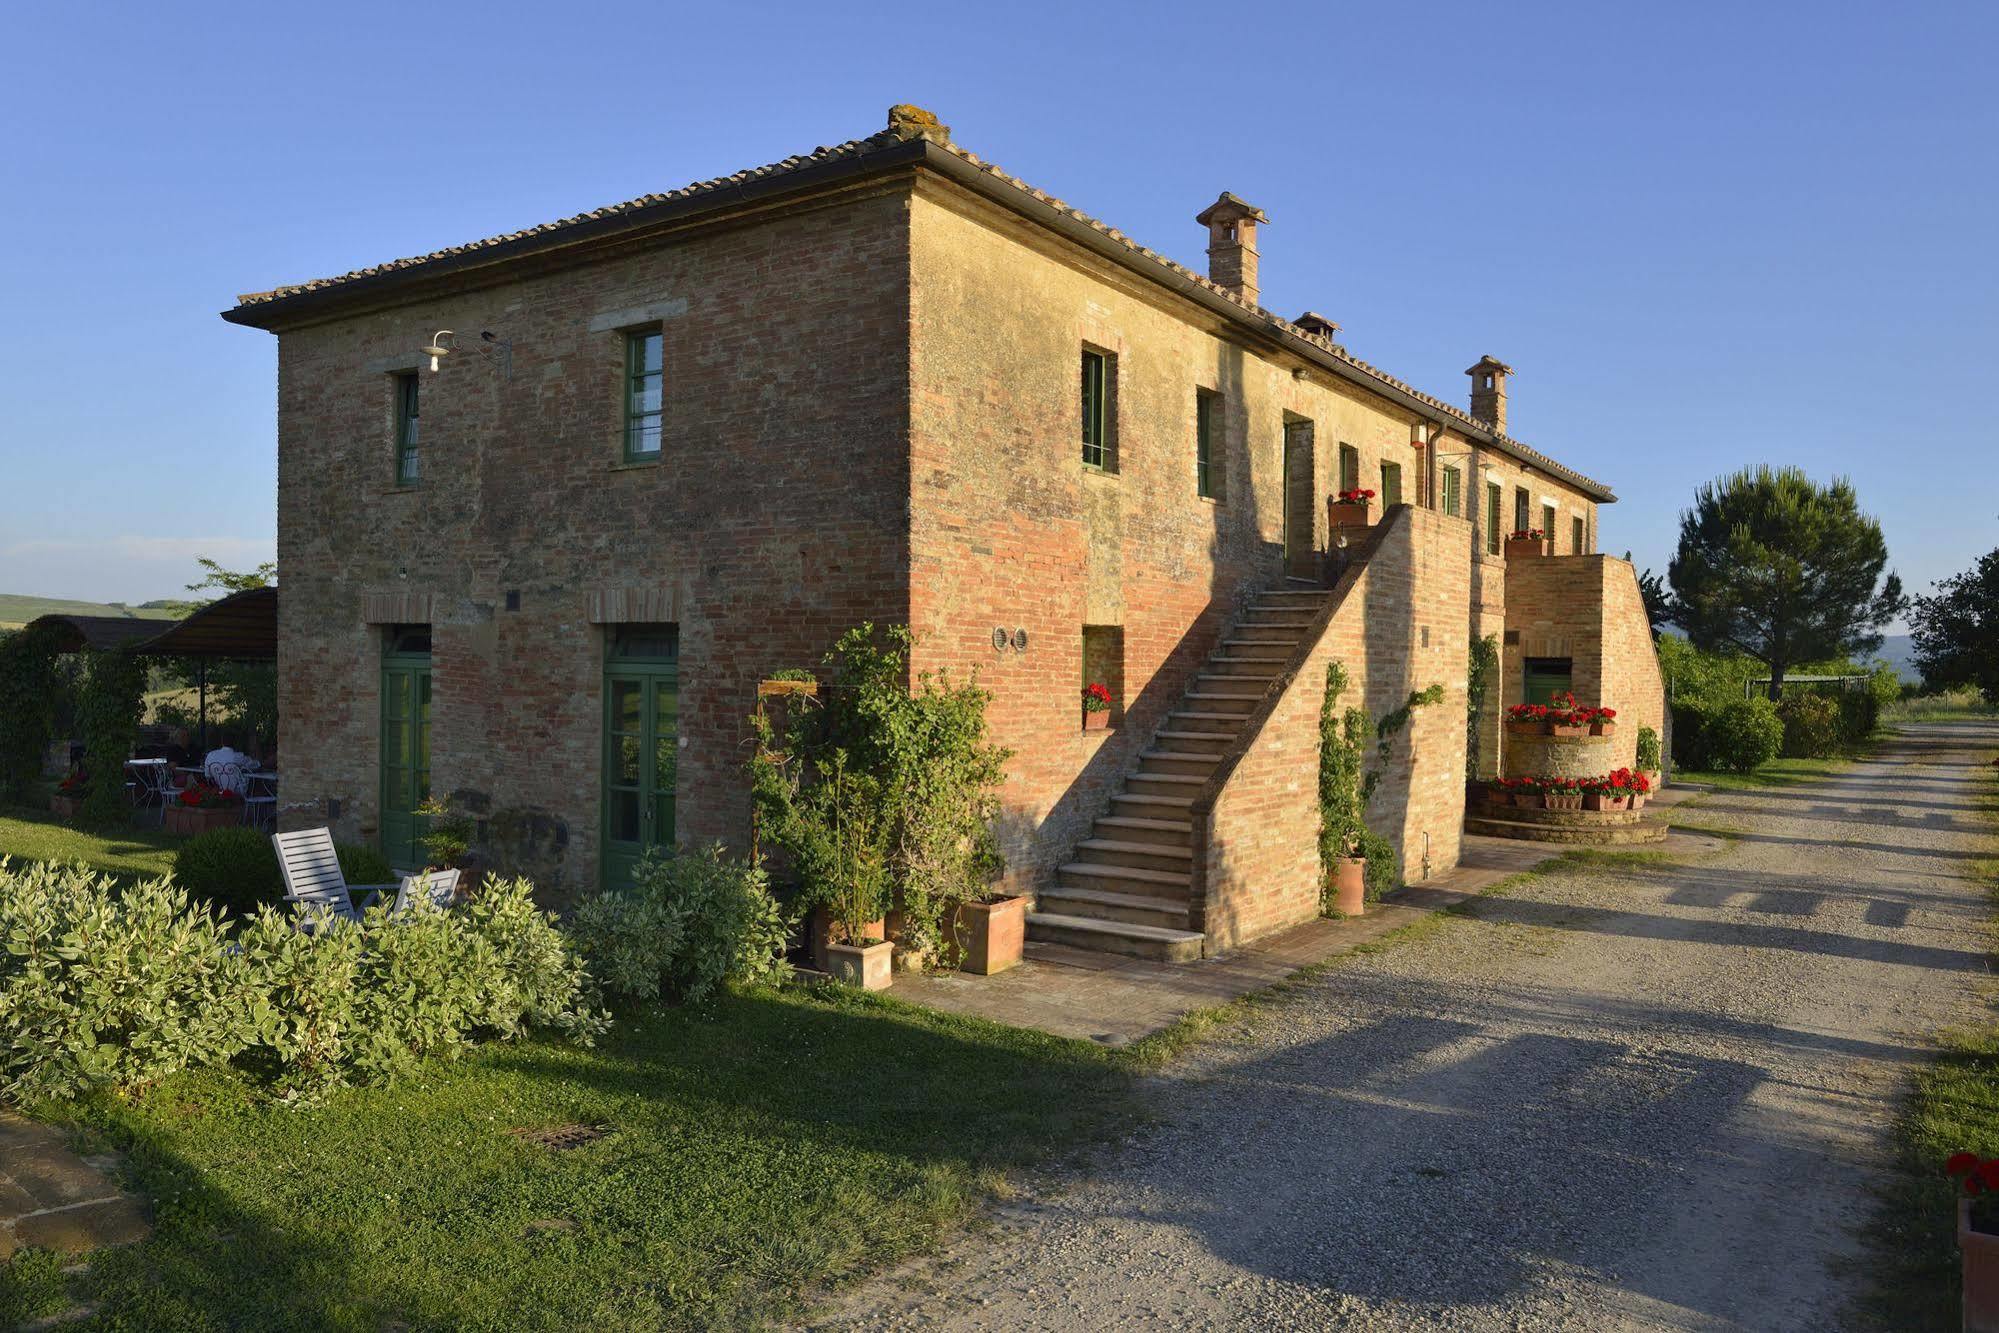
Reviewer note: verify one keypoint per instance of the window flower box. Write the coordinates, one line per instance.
(1096, 707)
(1349, 509)
(1527, 543)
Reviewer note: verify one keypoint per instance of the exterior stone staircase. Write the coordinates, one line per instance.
(1126, 889)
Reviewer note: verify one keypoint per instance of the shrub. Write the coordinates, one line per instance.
(688, 924)
(1743, 735)
(236, 869)
(541, 981)
(1648, 750)
(1859, 715)
(112, 702)
(1811, 725)
(102, 987)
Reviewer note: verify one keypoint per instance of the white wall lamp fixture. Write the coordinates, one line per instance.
(444, 342)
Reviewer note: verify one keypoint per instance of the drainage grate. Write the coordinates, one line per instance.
(561, 1138)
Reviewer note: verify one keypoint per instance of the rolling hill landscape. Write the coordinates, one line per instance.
(18, 609)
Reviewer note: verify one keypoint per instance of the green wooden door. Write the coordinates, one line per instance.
(641, 736)
(405, 753)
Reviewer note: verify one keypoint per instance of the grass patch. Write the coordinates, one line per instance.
(133, 853)
(1945, 706)
(775, 1143)
(1776, 773)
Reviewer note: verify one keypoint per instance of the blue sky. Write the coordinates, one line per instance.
(1703, 235)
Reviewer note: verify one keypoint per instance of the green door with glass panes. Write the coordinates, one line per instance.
(405, 745)
(641, 741)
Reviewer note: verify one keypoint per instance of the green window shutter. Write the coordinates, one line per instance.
(1492, 518)
(1548, 526)
(1391, 484)
(1205, 410)
(1349, 468)
(645, 390)
(408, 461)
(1452, 482)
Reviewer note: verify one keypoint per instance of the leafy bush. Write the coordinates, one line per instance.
(1859, 715)
(102, 987)
(236, 869)
(1734, 736)
(688, 924)
(112, 702)
(1811, 725)
(1648, 750)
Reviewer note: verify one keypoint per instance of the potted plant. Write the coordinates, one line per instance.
(1562, 794)
(1348, 509)
(1610, 792)
(988, 933)
(1526, 542)
(1527, 720)
(1640, 789)
(1977, 1239)
(202, 806)
(1565, 720)
(1528, 795)
(1602, 721)
(1499, 792)
(67, 800)
(1647, 759)
(1096, 707)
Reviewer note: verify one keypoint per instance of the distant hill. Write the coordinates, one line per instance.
(1900, 650)
(18, 609)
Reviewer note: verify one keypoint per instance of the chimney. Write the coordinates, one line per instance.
(1488, 391)
(906, 121)
(1231, 225)
(1317, 325)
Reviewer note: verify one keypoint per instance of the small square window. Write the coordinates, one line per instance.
(645, 388)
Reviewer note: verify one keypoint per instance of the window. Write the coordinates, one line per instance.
(1099, 410)
(1453, 483)
(1103, 664)
(1391, 484)
(1542, 678)
(407, 468)
(641, 746)
(645, 383)
(1522, 506)
(1576, 535)
(1208, 476)
(1349, 468)
(1548, 526)
(1492, 518)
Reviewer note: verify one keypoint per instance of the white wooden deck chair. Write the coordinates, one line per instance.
(313, 877)
(438, 887)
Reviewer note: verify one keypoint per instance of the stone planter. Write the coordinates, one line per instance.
(1598, 800)
(65, 807)
(819, 936)
(1350, 886)
(990, 934)
(908, 958)
(1572, 800)
(1598, 727)
(1340, 515)
(1980, 1273)
(863, 965)
(188, 820)
(1097, 721)
(1525, 548)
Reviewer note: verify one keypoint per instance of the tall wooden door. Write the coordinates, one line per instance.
(405, 743)
(641, 740)
(1300, 504)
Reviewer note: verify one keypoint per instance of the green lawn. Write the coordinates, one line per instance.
(1776, 773)
(36, 835)
(756, 1150)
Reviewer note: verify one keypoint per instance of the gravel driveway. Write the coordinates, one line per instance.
(1617, 1097)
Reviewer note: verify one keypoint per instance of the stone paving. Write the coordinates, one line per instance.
(52, 1199)
(1114, 1000)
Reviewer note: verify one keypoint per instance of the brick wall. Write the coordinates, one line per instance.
(1588, 609)
(1399, 627)
(774, 519)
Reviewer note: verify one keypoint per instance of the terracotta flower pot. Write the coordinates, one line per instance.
(1498, 796)
(1980, 1269)
(1525, 548)
(1603, 800)
(1653, 778)
(1572, 800)
(1598, 727)
(1097, 721)
(865, 965)
(1514, 728)
(1568, 730)
(819, 931)
(188, 820)
(1527, 800)
(1350, 886)
(1340, 515)
(990, 934)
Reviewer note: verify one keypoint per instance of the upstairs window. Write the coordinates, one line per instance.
(1453, 483)
(1548, 527)
(1208, 477)
(1391, 484)
(408, 469)
(645, 388)
(1522, 508)
(1492, 518)
(1576, 535)
(1349, 468)
(1099, 416)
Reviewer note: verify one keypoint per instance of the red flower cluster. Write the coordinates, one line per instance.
(1974, 1175)
(207, 796)
(1356, 496)
(1096, 699)
(1526, 535)
(1527, 713)
(1620, 782)
(72, 785)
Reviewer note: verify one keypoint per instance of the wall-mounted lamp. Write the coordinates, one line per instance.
(439, 348)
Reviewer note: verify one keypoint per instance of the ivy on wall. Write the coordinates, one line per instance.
(1480, 674)
(1346, 789)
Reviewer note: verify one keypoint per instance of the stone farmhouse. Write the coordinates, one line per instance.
(663, 449)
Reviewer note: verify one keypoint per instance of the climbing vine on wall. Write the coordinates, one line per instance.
(1345, 790)
(108, 713)
(1480, 672)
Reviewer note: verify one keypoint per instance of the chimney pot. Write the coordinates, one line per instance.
(1488, 391)
(1317, 325)
(1231, 225)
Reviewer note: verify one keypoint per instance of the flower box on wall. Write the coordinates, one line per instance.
(1526, 548)
(1347, 515)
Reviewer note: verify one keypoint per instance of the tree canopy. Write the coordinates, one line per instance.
(1774, 565)
(1956, 631)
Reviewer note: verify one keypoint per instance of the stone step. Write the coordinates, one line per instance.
(1264, 644)
(1152, 807)
(1317, 593)
(1099, 905)
(1241, 703)
(1251, 669)
(1142, 783)
(1138, 829)
(1122, 937)
(1214, 743)
(1190, 762)
(1126, 879)
(1138, 855)
(1210, 720)
(1603, 835)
